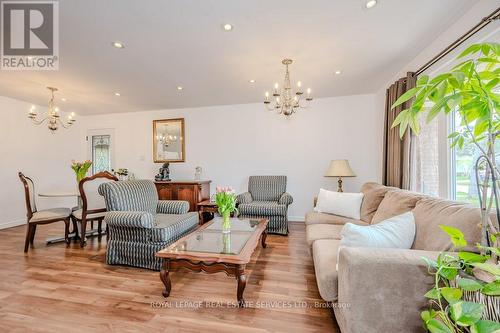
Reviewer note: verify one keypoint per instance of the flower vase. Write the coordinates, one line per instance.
(226, 243)
(226, 222)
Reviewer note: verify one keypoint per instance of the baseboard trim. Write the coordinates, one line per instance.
(296, 218)
(10, 224)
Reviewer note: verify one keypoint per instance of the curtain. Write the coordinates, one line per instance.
(397, 167)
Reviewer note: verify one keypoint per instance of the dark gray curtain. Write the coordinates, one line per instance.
(397, 167)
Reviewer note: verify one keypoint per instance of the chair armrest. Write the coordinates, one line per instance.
(285, 199)
(244, 198)
(129, 219)
(172, 207)
(382, 283)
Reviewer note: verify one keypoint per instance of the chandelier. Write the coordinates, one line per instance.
(52, 116)
(284, 101)
(167, 139)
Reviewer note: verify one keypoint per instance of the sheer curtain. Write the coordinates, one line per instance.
(424, 170)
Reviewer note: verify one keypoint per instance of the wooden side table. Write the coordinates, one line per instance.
(206, 210)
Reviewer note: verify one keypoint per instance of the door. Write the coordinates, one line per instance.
(100, 151)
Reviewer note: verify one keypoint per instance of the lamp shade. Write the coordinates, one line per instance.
(339, 168)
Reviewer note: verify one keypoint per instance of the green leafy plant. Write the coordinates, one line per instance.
(453, 274)
(470, 90)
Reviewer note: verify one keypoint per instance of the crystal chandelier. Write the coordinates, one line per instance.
(167, 139)
(52, 116)
(285, 102)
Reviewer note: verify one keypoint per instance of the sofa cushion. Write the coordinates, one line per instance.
(325, 267)
(170, 227)
(264, 208)
(339, 203)
(79, 212)
(374, 193)
(395, 232)
(396, 202)
(323, 218)
(322, 231)
(431, 212)
(50, 214)
(267, 188)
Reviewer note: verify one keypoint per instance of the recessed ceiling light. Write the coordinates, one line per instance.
(337, 72)
(63, 99)
(371, 3)
(117, 94)
(251, 81)
(179, 88)
(227, 27)
(118, 45)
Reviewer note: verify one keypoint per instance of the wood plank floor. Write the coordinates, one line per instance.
(54, 288)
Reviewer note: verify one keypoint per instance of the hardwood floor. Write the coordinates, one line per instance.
(54, 288)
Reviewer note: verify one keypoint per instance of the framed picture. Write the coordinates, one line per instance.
(168, 141)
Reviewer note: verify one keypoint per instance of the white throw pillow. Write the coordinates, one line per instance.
(395, 232)
(338, 203)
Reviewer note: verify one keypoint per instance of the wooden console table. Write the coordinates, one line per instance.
(207, 210)
(193, 191)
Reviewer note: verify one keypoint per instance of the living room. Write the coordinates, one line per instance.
(149, 147)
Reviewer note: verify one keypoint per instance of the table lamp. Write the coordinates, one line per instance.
(339, 168)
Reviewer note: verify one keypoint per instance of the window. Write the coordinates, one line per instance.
(463, 182)
(100, 150)
(101, 153)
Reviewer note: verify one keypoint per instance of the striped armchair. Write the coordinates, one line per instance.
(267, 197)
(139, 225)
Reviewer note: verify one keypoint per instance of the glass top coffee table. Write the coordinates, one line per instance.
(209, 250)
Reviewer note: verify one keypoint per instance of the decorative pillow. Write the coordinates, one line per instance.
(338, 203)
(395, 232)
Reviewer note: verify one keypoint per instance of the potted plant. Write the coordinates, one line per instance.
(459, 301)
(225, 198)
(465, 285)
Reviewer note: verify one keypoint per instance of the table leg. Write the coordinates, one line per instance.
(242, 282)
(264, 236)
(165, 278)
(72, 235)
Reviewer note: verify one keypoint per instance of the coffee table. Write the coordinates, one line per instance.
(208, 250)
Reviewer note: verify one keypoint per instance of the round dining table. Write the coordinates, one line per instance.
(66, 194)
(59, 194)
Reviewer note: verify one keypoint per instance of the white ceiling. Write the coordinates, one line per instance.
(181, 42)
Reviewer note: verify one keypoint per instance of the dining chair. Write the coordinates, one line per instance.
(36, 217)
(93, 204)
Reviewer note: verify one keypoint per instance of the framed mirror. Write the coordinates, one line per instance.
(168, 141)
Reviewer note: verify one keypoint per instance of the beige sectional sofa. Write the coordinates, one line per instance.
(381, 290)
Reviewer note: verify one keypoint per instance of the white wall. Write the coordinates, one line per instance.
(44, 156)
(233, 142)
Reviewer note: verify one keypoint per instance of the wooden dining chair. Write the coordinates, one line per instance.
(93, 204)
(36, 217)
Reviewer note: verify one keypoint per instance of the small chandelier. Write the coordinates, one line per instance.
(285, 101)
(53, 117)
(167, 139)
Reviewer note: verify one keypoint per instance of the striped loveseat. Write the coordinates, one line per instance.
(139, 225)
(267, 197)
